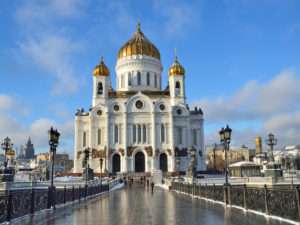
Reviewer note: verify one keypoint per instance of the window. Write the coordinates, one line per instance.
(100, 88)
(99, 136)
(179, 135)
(84, 139)
(129, 79)
(155, 80)
(177, 88)
(139, 104)
(139, 134)
(139, 78)
(195, 137)
(148, 79)
(134, 133)
(162, 133)
(116, 134)
(144, 134)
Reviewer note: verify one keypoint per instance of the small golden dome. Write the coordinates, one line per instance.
(176, 68)
(138, 45)
(101, 69)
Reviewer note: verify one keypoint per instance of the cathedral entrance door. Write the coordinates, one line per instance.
(163, 162)
(139, 162)
(116, 163)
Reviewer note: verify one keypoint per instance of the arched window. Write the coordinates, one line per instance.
(179, 135)
(99, 136)
(195, 137)
(144, 134)
(155, 81)
(129, 79)
(116, 134)
(84, 139)
(177, 88)
(162, 133)
(100, 88)
(139, 78)
(139, 134)
(134, 134)
(148, 79)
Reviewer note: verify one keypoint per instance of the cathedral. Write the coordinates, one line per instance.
(139, 126)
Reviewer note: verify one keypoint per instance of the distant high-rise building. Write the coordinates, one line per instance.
(29, 150)
(258, 145)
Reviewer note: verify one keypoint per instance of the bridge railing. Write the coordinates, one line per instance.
(277, 200)
(21, 198)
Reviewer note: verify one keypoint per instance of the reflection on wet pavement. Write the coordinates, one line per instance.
(137, 206)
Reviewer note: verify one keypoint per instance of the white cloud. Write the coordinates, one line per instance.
(6, 102)
(37, 130)
(11, 104)
(255, 101)
(177, 15)
(272, 106)
(47, 42)
(52, 53)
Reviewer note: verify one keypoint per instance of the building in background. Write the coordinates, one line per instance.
(140, 126)
(215, 157)
(27, 150)
(245, 169)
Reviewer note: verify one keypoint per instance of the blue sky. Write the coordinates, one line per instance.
(242, 61)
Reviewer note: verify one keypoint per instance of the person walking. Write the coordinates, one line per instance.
(152, 187)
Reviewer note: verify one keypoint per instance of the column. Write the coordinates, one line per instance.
(153, 126)
(125, 136)
(171, 138)
(106, 143)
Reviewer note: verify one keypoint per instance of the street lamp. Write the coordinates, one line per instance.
(53, 137)
(225, 137)
(101, 165)
(271, 141)
(6, 145)
(193, 163)
(85, 163)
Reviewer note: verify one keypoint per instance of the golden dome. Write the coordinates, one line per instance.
(138, 45)
(101, 69)
(176, 68)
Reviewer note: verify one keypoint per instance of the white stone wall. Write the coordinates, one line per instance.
(175, 117)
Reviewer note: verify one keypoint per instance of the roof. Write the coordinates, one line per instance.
(243, 164)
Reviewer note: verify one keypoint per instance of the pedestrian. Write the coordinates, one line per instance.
(147, 183)
(152, 187)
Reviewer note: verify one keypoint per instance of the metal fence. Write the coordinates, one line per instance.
(17, 202)
(280, 200)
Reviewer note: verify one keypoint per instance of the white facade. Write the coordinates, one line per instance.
(138, 127)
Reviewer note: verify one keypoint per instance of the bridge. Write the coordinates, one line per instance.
(136, 204)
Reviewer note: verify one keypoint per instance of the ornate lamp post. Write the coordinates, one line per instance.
(273, 169)
(101, 165)
(225, 138)
(271, 141)
(191, 169)
(86, 163)
(6, 145)
(53, 136)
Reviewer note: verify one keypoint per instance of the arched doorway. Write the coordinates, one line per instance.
(139, 162)
(116, 163)
(163, 162)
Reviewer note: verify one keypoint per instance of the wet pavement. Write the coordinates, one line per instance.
(137, 206)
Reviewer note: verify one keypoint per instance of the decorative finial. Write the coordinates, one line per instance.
(102, 59)
(175, 54)
(138, 27)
